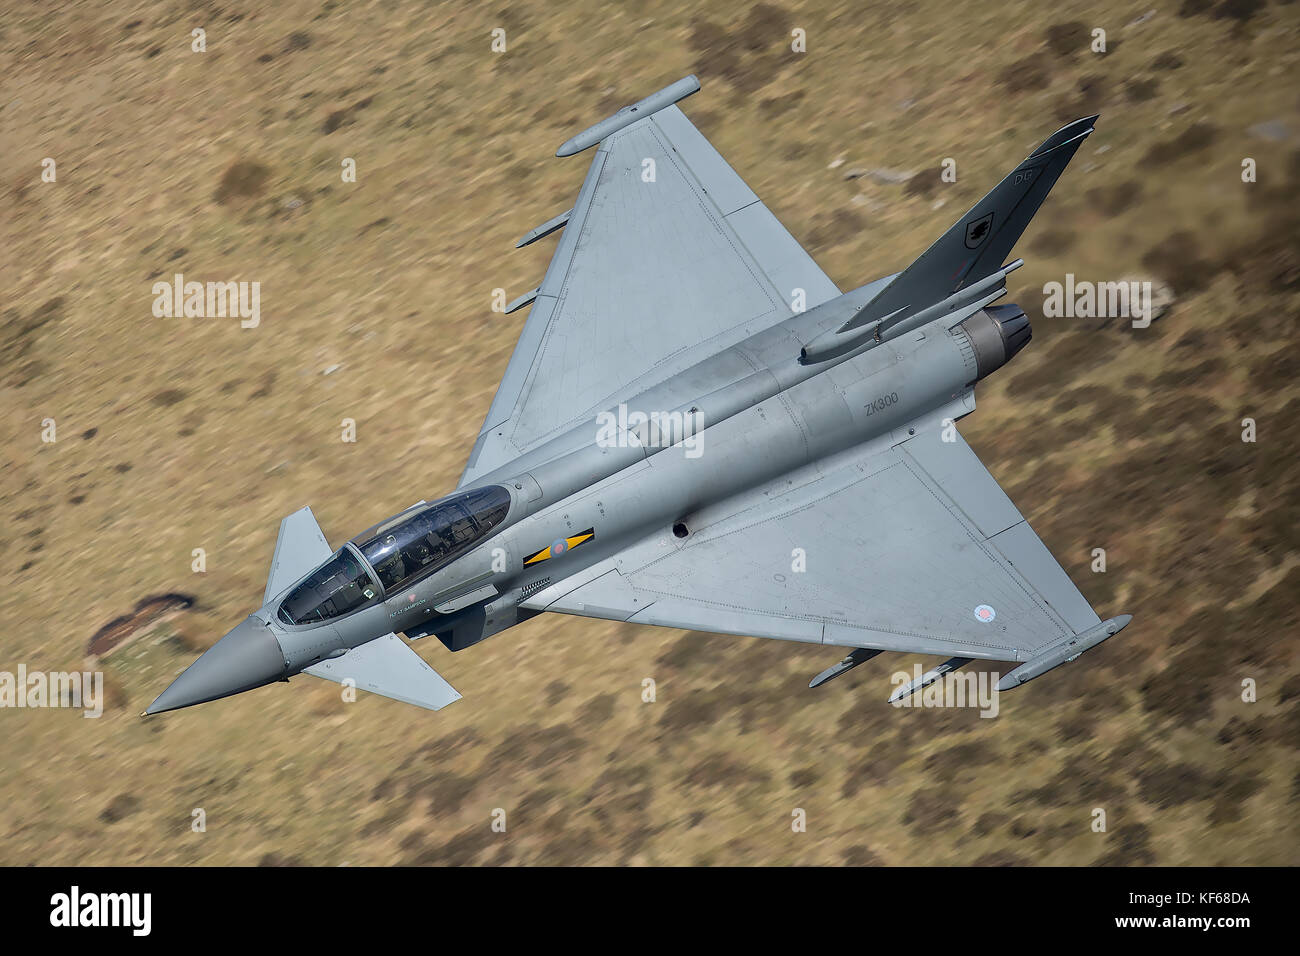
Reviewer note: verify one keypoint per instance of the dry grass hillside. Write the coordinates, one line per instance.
(177, 434)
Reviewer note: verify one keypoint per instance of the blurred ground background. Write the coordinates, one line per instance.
(175, 434)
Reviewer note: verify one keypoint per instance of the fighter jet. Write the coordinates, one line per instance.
(697, 429)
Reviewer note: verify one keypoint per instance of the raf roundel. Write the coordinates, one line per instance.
(558, 547)
(985, 614)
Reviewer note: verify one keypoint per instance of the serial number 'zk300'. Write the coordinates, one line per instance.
(881, 403)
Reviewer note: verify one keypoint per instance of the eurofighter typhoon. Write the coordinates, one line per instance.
(699, 430)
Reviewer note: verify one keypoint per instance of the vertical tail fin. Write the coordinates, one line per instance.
(980, 242)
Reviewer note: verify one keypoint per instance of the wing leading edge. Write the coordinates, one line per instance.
(666, 249)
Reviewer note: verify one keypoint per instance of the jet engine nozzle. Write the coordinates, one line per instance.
(995, 334)
(1014, 326)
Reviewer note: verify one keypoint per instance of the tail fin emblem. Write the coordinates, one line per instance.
(978, 230)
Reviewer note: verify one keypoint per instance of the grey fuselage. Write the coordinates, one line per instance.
(761, 413)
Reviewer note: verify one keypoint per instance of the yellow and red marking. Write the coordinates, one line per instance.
(560, 546)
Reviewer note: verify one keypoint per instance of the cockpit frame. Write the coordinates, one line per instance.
(396, 554)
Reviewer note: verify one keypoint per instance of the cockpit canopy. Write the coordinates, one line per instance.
(418, 542)
(401, 551)
(340, 585)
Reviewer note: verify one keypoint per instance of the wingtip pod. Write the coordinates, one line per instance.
(1063, 651)
(652, 104)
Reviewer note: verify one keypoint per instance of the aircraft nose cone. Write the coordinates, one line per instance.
(247, 657)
